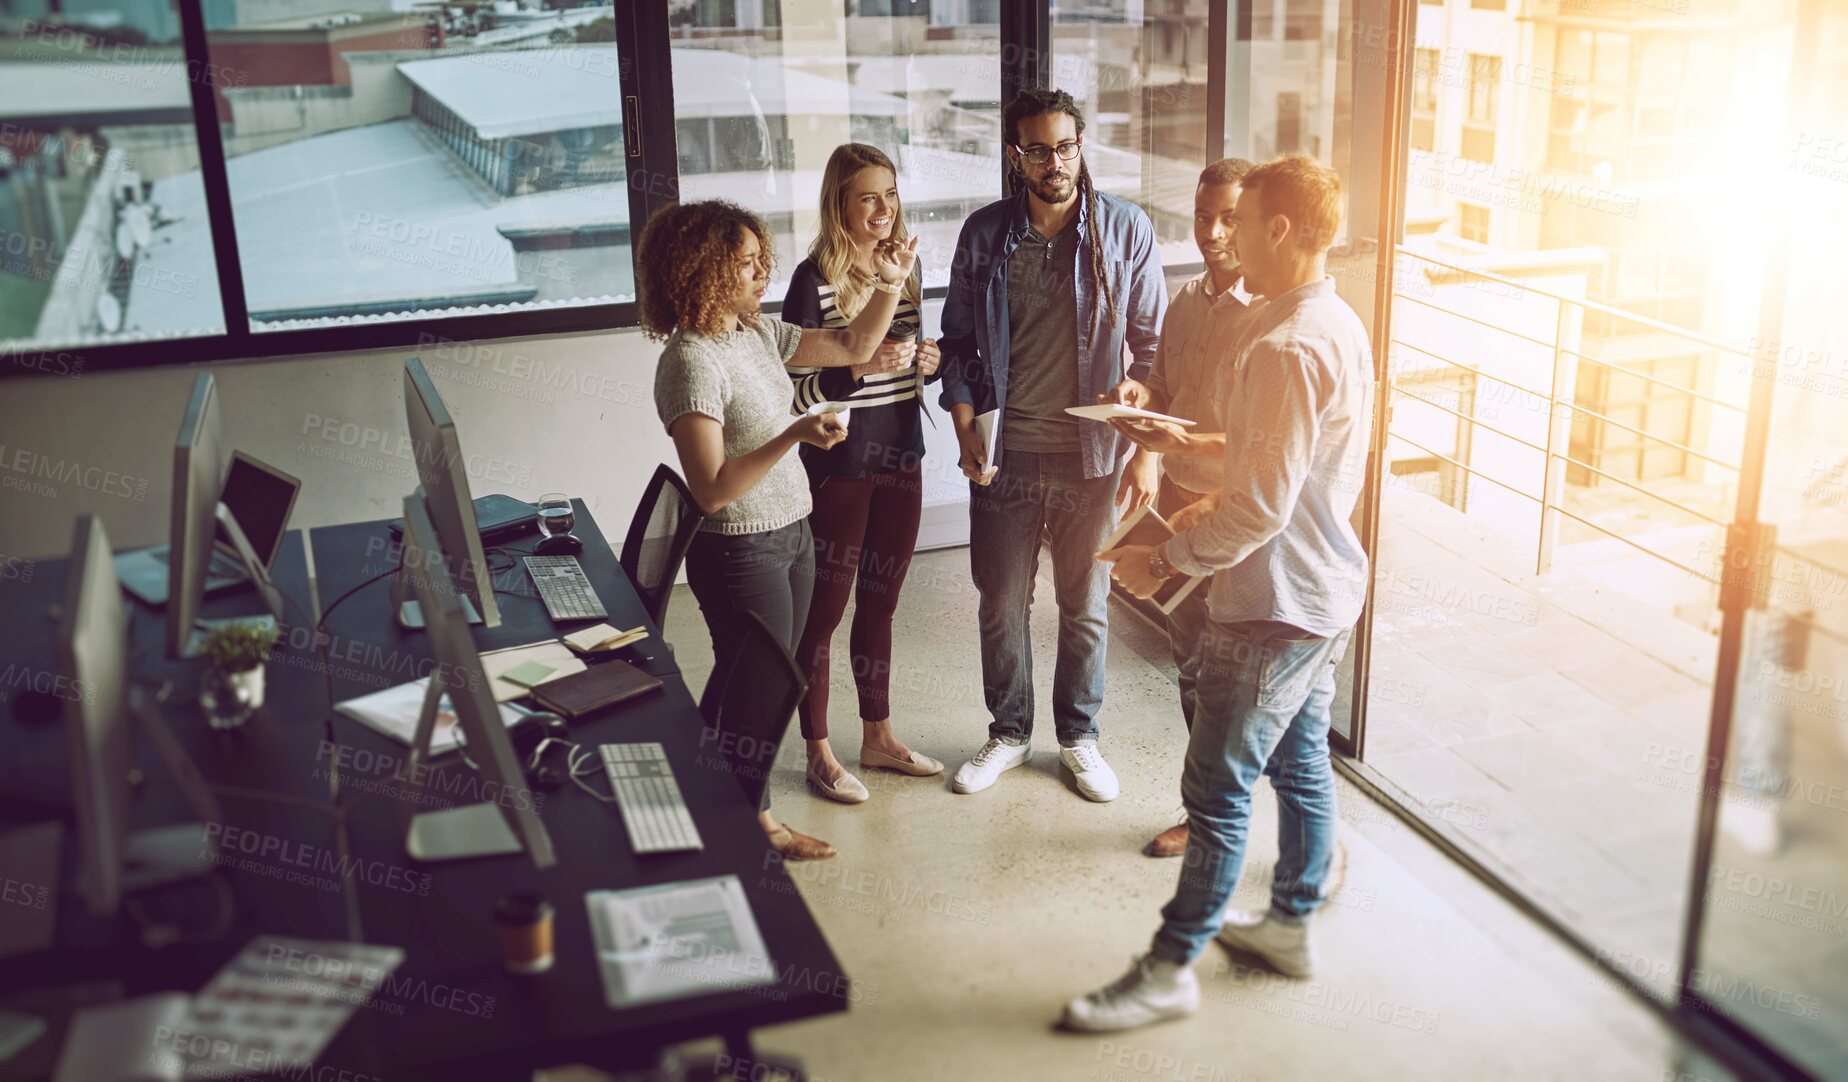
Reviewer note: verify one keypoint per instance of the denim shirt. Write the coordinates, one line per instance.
(975, 323)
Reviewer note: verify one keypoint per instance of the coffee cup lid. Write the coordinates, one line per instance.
(519, 909)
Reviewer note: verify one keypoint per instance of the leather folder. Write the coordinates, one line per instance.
(595, 688)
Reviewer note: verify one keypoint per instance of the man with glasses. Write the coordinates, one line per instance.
(1050, 289)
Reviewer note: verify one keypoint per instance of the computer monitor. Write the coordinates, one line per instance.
(509, 820)
(198, 472)
(261, 498)
(444, 478)
(92, 652)
(201, 521)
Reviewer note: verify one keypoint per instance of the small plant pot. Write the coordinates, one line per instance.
(229, 698)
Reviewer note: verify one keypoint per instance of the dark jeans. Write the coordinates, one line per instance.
(1187, 623)
(1034, 496)
(771, 574)
(866, 529)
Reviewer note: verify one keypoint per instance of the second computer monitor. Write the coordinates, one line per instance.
(92, 650)
(465, 682)
(198, 472)
(443, 473)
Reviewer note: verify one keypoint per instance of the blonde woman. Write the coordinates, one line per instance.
(868, 489)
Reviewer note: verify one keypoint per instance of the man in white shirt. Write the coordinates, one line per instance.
(1289, 577)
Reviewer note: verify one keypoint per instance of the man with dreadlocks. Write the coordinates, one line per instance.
(1056, 300)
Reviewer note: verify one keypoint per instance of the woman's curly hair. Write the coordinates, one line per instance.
(688, 260)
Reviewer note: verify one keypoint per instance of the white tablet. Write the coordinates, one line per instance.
(1110, 411)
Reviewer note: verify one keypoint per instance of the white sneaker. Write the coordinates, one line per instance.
(1095, 778)
(980, 772)
(1151, 991)
(1287, 947)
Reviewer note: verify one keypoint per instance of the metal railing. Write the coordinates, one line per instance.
(1561, 408)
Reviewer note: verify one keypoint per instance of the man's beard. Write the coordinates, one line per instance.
(1054, 190)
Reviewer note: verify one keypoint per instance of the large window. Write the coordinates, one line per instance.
(1563, 550)
(394, 165)
(1139, 73)
(758, 111)
(102, 236)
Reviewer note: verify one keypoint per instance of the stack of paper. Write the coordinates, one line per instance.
(601, 638)
(394, 711)
(508, 670)
(680, 939)
(272, 1010)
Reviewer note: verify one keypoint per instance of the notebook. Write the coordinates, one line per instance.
(600, 686)
(1144, 526)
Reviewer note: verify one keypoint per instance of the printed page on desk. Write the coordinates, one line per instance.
(394, 711)
(680, 939)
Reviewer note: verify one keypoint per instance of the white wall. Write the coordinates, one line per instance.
(571, 413)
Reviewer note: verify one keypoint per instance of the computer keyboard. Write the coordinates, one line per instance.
(656, 817)
(221, 567)
(564, 588)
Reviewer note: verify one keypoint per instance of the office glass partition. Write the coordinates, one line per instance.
(764, 90)
(99, 186)
(412, 164)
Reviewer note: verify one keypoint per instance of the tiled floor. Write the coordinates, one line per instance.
(965, 921)
(1538, 704)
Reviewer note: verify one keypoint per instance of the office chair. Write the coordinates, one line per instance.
(750, 707)
(659, 536)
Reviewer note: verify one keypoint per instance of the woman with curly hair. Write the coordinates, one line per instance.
(726, 400)
(869, 491)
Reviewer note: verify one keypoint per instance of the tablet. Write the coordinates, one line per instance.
(1110, 411)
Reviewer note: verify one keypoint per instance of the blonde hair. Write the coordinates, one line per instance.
(833, 249)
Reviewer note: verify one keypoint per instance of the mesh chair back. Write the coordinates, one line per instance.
(659, 537)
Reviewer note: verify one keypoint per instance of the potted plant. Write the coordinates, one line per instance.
(233, 688)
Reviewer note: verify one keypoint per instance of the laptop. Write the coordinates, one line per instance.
(261, 498)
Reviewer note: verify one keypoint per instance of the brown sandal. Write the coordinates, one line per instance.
(796, 846)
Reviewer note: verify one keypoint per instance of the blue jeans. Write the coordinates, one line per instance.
(1035, 495)
(1264, 694)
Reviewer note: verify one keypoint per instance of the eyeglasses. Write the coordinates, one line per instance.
(1042, 155)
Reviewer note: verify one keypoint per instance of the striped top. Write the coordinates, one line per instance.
(883, 432)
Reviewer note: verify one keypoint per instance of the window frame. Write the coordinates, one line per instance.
(643, 44)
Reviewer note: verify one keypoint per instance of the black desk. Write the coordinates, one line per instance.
(450, 1008)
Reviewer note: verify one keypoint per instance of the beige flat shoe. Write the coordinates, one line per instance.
(918, 766)
(847, 789)
(792, 845)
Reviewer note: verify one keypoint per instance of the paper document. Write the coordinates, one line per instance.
(601, 637)
(394, 711)
(682, 939)
(551, 653)
(1109, 411)
(986, 426)
(270, 1012)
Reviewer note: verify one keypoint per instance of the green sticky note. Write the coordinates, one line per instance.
(528, 674)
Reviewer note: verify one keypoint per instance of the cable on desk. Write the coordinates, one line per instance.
(582, 754)
(327, 679)
(329, 610)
